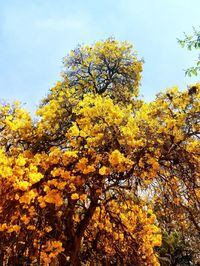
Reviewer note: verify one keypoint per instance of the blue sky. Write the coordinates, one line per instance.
(35, 36)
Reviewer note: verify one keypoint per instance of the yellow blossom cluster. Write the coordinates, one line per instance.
(139, 230)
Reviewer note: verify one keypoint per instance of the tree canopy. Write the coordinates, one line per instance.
(100, 175)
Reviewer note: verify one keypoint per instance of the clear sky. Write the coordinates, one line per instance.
(35, 35)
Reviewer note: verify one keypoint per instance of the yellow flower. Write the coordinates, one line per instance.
(21, 161)
(28, 196)
(116, 157)
(31, 227)
(104, 170)
(24, 185)
(73, 131)
(89, 169)
(35, 177)
(83, 197)
(54, 196)
(25, 219)
(74, 196)
(48, 229)
(81, 165)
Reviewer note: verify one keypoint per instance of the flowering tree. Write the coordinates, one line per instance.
(80, 185)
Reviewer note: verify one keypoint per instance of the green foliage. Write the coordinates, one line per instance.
(174, 251)
(192, 42)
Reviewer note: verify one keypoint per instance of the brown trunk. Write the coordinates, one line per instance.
(80, 233)
(75, 253)
(74, 243)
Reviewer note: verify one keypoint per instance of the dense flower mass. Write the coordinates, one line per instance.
(96, 176)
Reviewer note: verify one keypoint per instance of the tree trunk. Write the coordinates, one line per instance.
(75, 254)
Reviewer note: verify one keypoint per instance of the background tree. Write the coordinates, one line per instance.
(174, 250)
(177, 187)
(192, 42)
